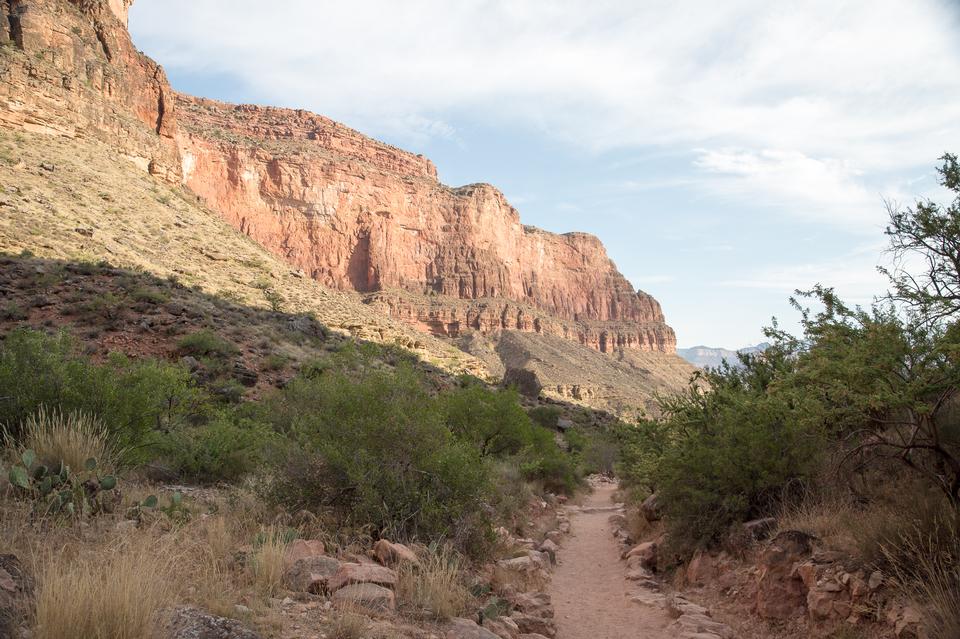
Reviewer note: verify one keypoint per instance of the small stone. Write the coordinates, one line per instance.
(365, 595)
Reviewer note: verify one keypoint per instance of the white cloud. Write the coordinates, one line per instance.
(872, 81)
(796, 105)
(824, 190)
(854, 275)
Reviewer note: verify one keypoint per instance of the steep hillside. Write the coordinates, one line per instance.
(357, 232)
(76, 200)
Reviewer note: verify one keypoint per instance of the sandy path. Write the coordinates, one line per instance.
(590, 594)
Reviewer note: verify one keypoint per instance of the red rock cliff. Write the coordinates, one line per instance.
(69, 68)
(358, 214)
(354, 213)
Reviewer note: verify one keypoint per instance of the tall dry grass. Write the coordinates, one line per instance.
(434, 587)
(346, 624)
(926, 562)
(71, 438)
(267, 563)
(116, 593)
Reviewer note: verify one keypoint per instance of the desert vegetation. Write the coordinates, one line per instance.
(849, 432)
(138, 481)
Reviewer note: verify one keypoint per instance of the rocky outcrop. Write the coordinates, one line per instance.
(70, 69)
(357, 214)
(353, 213)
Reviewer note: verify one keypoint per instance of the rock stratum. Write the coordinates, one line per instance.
(354, 214)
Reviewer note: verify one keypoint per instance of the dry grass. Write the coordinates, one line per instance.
(140, 223)
(518, 580)
(72, 439)
(927, 565)
(114, 594)
(266, 565)
(347, 624)
(435, 587)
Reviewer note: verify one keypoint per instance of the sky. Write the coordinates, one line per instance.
(725, 153)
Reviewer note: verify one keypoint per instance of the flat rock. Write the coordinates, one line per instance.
(303, 549)
(349, 574)
(311, 574)
(467, 629)
(365, 595)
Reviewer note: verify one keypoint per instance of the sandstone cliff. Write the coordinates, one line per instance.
(358, 214)
(69, 68)
(352, 213)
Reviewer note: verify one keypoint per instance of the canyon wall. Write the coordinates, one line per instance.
(358, 214)
(70, 69)
(349, 211)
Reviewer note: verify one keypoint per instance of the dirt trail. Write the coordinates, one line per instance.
(589, 591)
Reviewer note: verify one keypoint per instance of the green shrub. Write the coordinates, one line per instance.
(725, 454)
(492, 421)
(225, 449)
(206, 343)
(375, 452)
(546, 416)
(545, 462)
(134, 399)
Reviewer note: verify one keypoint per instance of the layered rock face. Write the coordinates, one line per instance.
(69, 68)
(353, 213)
(358, 214)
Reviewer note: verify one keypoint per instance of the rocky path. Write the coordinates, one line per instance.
(589, 590)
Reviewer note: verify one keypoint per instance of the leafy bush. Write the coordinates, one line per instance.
(492, 421)
(206, 343)
(224, 449)
(545, 462)
(133, 399)
(376, 452)
(725, 454)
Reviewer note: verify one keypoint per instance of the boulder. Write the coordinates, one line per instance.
(303, 549)
(460, 628)
(349, 574)
(781, 593)
(645, 554)
(524, 380)
(700, 569)
(549, 548)
(503, 627)
(191, 623)
(533, 603)
(531, 624)
(311, 574)
(389, 554)
(365, 595)
(650, 508)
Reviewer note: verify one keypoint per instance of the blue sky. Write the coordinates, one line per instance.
(725, 153)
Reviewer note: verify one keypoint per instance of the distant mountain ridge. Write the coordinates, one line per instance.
(710, 357)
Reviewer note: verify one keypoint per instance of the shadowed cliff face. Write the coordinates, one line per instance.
(358, 214)
(353, 213)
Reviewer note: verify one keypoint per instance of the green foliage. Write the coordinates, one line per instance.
(930, 232)
(546, 416)
(206, 343)
(545, 462)
(225, 449)
(134, 399)
(492, 421)
(724, 454)
(62, 491)
(373, 449)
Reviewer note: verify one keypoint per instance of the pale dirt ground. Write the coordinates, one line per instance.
(589, 591)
